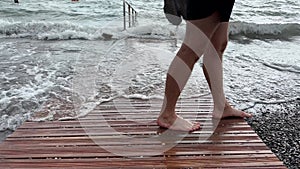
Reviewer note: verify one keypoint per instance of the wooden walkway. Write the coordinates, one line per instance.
(89, 143)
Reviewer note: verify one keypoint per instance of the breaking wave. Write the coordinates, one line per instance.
(66, 30)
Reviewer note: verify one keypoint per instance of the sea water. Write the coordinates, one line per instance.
(54, 56)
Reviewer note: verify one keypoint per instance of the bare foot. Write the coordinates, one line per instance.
(176, 122)
(232, 112)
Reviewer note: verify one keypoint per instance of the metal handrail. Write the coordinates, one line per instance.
(132, 14)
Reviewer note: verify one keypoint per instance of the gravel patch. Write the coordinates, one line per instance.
(279, 127)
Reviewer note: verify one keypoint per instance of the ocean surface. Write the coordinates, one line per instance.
(55, 56)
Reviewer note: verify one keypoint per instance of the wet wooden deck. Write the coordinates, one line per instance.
(89, 143)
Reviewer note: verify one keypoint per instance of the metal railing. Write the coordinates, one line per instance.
(132, 14)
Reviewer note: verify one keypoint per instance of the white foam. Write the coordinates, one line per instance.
(86, 107)
(12, 122)
(283, 67)
(142, 97)
(271, 30)
(65, 30)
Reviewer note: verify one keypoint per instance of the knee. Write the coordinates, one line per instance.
(223, 46)
(220, 46)
(187, 54)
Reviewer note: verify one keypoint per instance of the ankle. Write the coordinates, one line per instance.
(227, 105)
(167, 114)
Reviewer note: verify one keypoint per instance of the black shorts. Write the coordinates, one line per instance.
(199, 9)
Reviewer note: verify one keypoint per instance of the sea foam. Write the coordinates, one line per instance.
(65, 30)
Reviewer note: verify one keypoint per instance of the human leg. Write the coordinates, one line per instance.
(219, 40)
(178, 74)
(196, 39)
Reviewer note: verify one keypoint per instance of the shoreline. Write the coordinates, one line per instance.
(255, 84)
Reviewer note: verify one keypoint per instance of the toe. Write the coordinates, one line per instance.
(246, 115)
(196, 126)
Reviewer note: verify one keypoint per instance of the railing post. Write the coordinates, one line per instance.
(132, 14)
(124, 13)
(132, 17)
(129, 15)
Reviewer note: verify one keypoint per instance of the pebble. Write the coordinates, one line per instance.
(279, 129)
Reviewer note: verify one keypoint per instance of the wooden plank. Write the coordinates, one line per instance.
(155, 107)
(223, 122)
(66, 144)
(88, 141)
(102, 123)
(199, 146)
(125, 130)
(152, 158)
(180, 100)
(58, 125)
(137, 110)
(62, 143)
(169, 163)
(106, 132)
(150, 115)
(77, 152)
